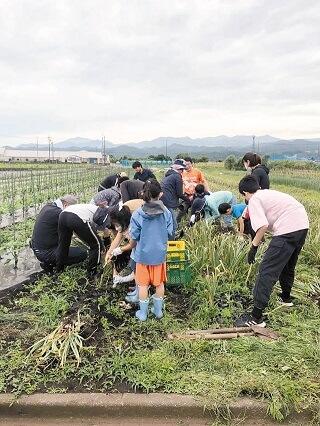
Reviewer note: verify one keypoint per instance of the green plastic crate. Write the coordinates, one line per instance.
(178, 271)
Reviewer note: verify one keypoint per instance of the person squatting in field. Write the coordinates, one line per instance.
(45, 236)
(206, 206)
(287, 220)
(191, 177)
(150, 228)
(239, 213)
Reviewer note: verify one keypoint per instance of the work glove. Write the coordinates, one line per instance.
(252, 254)
(116, 252)
(192, 220)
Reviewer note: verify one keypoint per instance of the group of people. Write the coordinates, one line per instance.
(128, 223)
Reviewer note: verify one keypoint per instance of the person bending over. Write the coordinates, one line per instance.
(150, 227)
(45, 237)
(111, 196)
(238, 212)
(78, 219)
(131, 189)
(110, 181)
(287, 220)
(207, 205)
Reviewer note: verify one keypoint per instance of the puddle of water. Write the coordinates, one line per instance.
(27, 265)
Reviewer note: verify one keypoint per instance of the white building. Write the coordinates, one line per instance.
(18, 155)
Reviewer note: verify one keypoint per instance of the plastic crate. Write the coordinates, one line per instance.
(178, 269)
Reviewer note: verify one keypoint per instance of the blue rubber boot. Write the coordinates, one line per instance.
(132, 298)
(157, 306)
(142, 313)
(133, 292)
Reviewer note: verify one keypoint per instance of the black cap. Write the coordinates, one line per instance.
(198, 205)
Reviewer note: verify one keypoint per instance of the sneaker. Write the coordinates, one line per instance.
(247, 320)
(286, 301)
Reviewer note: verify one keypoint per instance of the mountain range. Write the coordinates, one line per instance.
(213, 147)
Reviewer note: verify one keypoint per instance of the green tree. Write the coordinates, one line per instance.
(230, 162)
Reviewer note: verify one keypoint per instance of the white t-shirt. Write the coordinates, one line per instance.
(84, 211)
(279, 211)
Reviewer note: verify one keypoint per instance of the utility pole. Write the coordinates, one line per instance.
(104, 149)
(253, 143)
(49, 147)
(166, 149)
(37, 148)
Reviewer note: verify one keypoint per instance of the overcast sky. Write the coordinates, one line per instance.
(135, 70)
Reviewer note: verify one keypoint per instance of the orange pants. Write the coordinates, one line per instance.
(151, 274)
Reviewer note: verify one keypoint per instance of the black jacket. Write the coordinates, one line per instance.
(130, 189)
(261, 174)
(108, 182)
(172, 188)
(45, 231)
(145, 175)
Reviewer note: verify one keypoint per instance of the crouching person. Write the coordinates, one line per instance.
(288, 223)
(78, 219)
(45, 237)
(150, 227)
(238, 212)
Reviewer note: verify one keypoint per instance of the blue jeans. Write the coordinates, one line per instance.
(175, 224)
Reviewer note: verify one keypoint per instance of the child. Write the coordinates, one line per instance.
(150, 227)
(238, 212)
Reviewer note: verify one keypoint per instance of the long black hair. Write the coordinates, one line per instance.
(121, 217)
(151, 190)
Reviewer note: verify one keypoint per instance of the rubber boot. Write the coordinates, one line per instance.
(134, 298)
(142, 313)
(157, 306)
(133, 292)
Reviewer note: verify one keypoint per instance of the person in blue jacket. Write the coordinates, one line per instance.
(149, 230)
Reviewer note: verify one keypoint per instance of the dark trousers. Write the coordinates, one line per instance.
(248, 230)
(48, 257)
(70, 223)
(278, 263)
(182, 210)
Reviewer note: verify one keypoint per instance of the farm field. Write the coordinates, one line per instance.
(120, 354)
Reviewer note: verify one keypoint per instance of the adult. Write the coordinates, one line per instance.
(191, 177)
(45, 238)
(206, 205)
(110, 181)
(287, 220)
(252, 162)
(131, 189)
(141, 173)
(78, 219)
(172, 188)
(111, 196)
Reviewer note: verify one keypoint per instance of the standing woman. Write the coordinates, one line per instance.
(259, 171)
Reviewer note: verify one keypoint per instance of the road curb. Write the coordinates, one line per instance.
(130, 404)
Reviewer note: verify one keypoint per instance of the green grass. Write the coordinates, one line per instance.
(121, 353)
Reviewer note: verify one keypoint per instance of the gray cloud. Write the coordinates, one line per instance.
(140, 69)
